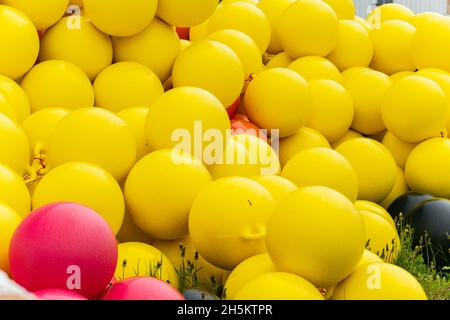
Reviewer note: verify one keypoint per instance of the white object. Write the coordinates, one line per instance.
(9, 290)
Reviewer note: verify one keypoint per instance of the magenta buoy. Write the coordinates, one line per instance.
(142, 288)
(64, 246)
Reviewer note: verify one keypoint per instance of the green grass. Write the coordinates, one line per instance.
(151, 268)
(411, 258)
(187, 271)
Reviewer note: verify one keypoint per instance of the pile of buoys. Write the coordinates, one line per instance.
(185, 149)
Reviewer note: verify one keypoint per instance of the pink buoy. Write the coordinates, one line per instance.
(58, 294)
(142, 288)
(64, 246)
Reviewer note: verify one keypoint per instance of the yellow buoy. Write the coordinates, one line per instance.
(345, 9)
(368, 89)
(273, 9)
(212, 66)
(57, 84)
(414, 109)
(43, 13)
(423, 18)
(278, 98)
(245, 156)
(246, 271)
(156, 47)
(304, 139)
(374, 166)
(316, 68)
(400, 75)
(278, 286)
(442, 78)
(322, 167)
(126, 84)
(354, 46)
(427, 167)
(350, 72)
(332, 109)
(13, 139)
(9, 220)
(314, 22)
(243, 17)
(15, 97)
(20, 42)
(159, 192)
(7, 109)
(199, 32)
(380, 281)
(400, 188)
(228, 220)
(136, 118)
(185, 13)
(278, 187)
(368, 258)
(181, 116)
(83, 45)
(381, 236)
(97, 136)
(13, 191)
(389, 11)
(363, 23)
(281, 60)
(373, 207)
(244, 46)
(121, 18)
(399, 149)
(430, 47)
(86, 184)
(349, 135)
(392, 47)
(39, 128)
(297, 230)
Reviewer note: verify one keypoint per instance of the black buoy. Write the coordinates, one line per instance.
(432, 218)
(406, 202)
